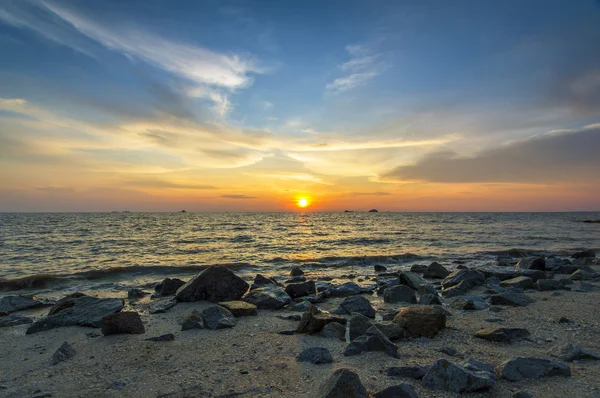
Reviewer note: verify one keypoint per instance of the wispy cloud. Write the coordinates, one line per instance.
(361, 68)
(292, 177)
(370, 193)
(374, 144)
(238, 197)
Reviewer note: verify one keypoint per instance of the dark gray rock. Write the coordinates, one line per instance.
(473, 364)
(412, 372)
(536, 263)
(504, 273)
(295, 290)
(358, 325)
(296, 271)
(269, 297)
(164, 337)
(239, 308)
(345, 290)
(192, 321)
(502, 335)
(358, 304)
(14, 320)
(216, 317)
(18, 303)
(66, 351)
(549, 284)
(313, 320)
(430, 299)
(296, 279)
(399, 294)
(169, 286)
(570, 352)
(411, 280)
(315, 355)
(215, 284)
(583, 287)
(585, 254)
(379, 268)
(65, 302)
(423, 321)
(162, 306)
(126, 322)
(403, 390)
(469, 303)
(522, 394)
(343, 383)
(261, 281)
(372, 340)
(301, 306)
(521, 282)
(510, 298)
(391, 330)
(582, 275)
(83, 311)
(466, 277)
(334, 330)
(136, 294)
(436, 271)
(519, 368)
(448, 376)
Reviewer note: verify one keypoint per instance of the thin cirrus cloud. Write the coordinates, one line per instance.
(241, 197)
(557, 157)
(360, 69)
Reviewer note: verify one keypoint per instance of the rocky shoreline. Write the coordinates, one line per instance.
(523, 327)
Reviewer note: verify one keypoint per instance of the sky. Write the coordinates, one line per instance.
(252, 105)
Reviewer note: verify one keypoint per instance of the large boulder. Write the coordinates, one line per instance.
(296, 271)
(127, 322)
(313, 320)
(502, 335)
(215, 284)
(423, 321)
(17, 303)
(83, 311)
(268, 297)
(436, 271)
(448, 376)
(519, 368)
(216, 317)
(372, 340)
(295, 290)
(358, 304)
(399, 294)
(343, 383)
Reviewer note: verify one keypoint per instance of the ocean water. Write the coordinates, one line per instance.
(46, 251)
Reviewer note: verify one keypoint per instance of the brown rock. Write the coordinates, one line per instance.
(313, 320)
(239, 308)
(423, 321)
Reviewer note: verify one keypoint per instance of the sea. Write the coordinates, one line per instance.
(46, 253)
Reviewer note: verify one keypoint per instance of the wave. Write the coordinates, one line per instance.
(43, 280)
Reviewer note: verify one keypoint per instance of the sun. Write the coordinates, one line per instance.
(303, 202)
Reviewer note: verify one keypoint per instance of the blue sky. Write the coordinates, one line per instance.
(247, 105)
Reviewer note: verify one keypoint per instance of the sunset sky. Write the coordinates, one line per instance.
(251, 105)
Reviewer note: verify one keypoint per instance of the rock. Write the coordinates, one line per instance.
(418, 268)
(372, 340)
(301, 306)
(296, 271)
(583, 287)
(549, 284)
(430, 299)
(519, 368)
(169, 286)
(399, 294)
(260, 281)
(403, 390)
(504, 273)
(239, 308)
(164, 337)
(570, 352)
(79, 311)
(521, 282)
(334, 330)
(215, 284)
(127, 322)
(345, 290)
(216, 317)
(412, 280)
(136, 294)
(296, 279)
(301, 289)
(343, 383)
(192, 321)
(585, 254)
(391, 330)
(469, 303)
(65, 302)
(472, 279)
(472, 364)
(313, 320)
(162, 306)
(581, 275)
(412, 372)
(422, 321)
(510, 298)
(358, 325)
(448, 376)
(448, 351)
(502, 335)
(66, 351)
(379, 268)
(522, 394)
(356, 304)
(269, 297)
(18, 303)
(537, 263)
(436, 271)
(315, 355)
(14, 320)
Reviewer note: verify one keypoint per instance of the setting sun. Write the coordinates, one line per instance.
(303, 202)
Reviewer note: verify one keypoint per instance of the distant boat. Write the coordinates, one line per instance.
(348, 211)
(373, 211)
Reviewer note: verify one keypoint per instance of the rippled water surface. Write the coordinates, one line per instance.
(65, 244)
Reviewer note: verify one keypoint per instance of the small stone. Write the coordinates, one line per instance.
(399, 294)
(421, 321)
(313, 320)
(315, 355)
(522, 282)
(510, 298)
(136, 294)
(412, 372)
(502, 335)
(343, 383)
(519, 368)
(66, 351)
(192, 321)
(447, 376)
(300, 289)
(358, 304)
(436, 270)
(296, 271)
(358, 325)
(162, 306)
(403, 390)
(379, 268)
(448, 351)
(570, 352)
(169, 286)
(430, 299)
(372, 340)
(268, 297)
(239, 308)
(164, 337)
(126, 322)
(334, 330)
(216, 317)
(522, 394)
(345, 290)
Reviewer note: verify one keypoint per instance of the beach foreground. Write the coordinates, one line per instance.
(253, 358)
